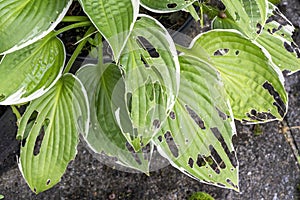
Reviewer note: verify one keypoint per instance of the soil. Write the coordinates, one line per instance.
(268, 168)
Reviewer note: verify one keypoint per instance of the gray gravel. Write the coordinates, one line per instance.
(268, 168)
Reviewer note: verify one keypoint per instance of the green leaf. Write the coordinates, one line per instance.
(191, 9)
(151, 75)
(23, 22)
(225, 23)
(113, 19)
(247, 14)
(51, 143)
(200, 196)
(197, 137)
(28, 73)
(276, 38)
(163, 6)
(104, 134)
(253, 83)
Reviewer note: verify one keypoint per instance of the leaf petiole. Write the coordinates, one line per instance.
(72, 26)
(78, 49)
(75, 19)
(17, 114)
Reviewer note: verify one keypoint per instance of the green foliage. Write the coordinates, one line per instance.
(201, 196)
(1, 196)
(155, 93)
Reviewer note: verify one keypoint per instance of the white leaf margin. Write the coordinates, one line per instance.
(23, 44)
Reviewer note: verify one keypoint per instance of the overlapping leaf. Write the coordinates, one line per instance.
(114, 20)
(276, 38)
(151, 75)
(252, 82)
(104, 134)
(49, 128)
(197, 137)
(22, 22)
(166, 5)
(29, 72)
(247, 14)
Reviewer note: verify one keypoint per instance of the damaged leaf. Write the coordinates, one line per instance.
(247, 14)
(276, 38)
(197, 137)
(104, 134)
(254, 86)
(163, 6)
(151, 74)
(49, 129)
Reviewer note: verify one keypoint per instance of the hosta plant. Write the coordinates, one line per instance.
(155, 96)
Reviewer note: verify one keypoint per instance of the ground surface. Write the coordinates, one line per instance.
(268, 169)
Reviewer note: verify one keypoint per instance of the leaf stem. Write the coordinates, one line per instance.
(75, 19)
(78, 49)
(17, 114)
(72, 26)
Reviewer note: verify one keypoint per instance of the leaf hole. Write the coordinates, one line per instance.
(259, 28)
(288, 47)
(171, 5)
(297, 52)
(222, 115)
(172, 146)
(39, 139)
(221, 185)
(147, 46)
(269, 31)
(217, 157)
(231, 183)
(147, 151)
(195, 117)
(221, 52)
(133, 153)
(172, 115)
(144, 61)
(159, 138)
(191, 162)
(278, 101)
(48, 181)
(212, 164)
(278, 18)
(237, 52)
(259, 116)
(129, 101)
(156, 124)
(200, 161)
(24, 142)
(231, 155)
